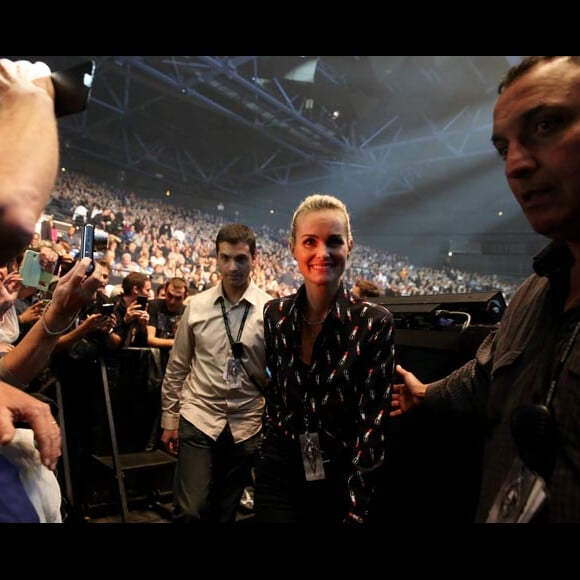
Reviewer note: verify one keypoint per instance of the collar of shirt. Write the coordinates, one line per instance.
(554, 259)
(338, 311)
(249, 295)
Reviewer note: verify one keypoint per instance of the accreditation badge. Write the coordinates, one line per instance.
(311, 456)
(232, 373)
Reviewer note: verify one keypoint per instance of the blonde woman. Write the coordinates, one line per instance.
(331, 359)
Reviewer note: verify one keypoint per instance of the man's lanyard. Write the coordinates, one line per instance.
(560, 364)
(237, 346)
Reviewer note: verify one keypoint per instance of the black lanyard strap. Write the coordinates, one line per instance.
(237, 347)
(560, 364)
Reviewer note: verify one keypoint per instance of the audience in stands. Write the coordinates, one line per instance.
(178, 242)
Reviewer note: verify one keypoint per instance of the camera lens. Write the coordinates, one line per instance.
(100, 240)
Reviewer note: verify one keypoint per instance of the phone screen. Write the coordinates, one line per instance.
(142, 300)
(107, 309)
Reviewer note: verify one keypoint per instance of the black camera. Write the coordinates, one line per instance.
(92, 239)
(72, 88)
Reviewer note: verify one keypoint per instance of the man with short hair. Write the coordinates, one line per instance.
(131, 317)
(164, 316)
(211, 395)
(524, 382)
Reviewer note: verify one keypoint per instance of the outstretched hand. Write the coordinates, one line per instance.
(75, 289)
(408, 394)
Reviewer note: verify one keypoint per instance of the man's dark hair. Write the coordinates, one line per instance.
(367, 289)
(528, 63)
(133, 279)
(177, 283)
(235, 233)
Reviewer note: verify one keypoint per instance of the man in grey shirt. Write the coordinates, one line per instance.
(211, 397)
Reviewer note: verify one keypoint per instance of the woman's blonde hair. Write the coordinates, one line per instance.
(316, 202)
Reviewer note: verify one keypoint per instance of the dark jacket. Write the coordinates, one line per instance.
(515, 365)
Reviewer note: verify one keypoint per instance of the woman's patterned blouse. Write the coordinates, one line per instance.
(344, 394)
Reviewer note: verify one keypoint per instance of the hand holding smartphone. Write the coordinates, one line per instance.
(30, 269)
(33, 273)
(142, 301)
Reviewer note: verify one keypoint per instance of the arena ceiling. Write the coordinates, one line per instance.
(403, 140)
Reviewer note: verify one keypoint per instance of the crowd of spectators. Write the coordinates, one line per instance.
(165, 241)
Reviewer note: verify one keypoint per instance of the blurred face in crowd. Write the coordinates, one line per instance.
(146, 290)
(536, 130)
(105, 274)
(174, 298)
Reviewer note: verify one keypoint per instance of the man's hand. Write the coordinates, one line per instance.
(408, 394)
(15, 406)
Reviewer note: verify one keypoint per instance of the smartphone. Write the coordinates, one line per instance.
(33, 274)
(106, 309)
(142, 301)
(30, 269)
(87, 246)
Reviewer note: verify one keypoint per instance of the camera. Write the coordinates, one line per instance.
(92, 239)
(72, 88)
